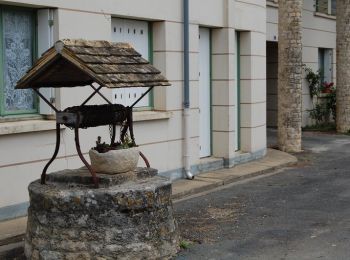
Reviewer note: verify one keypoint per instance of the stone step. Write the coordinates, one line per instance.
(12, 238)
(12, 228)
(12, 251)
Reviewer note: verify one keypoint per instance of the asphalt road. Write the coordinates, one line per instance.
(302, 212)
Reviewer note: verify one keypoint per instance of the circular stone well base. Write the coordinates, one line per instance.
(129, 217)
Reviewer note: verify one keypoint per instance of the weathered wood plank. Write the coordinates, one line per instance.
(103, 51)
(96, 44)
(137, 84)
(96, 59)
(131, 78)
(50, 58)
(130, 68)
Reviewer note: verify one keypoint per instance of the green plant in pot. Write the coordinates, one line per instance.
(114, 158)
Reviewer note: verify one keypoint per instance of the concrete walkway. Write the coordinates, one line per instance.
(274, 159)
(12, 231)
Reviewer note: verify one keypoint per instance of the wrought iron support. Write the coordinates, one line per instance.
(77, 145)
(45, 100)
(58, 140)
(92, 94)
(130, 124)
(113, 133)
(145, 159)
(144, 94)
(98, 92)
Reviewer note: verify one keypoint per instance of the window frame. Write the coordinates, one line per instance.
(150, 55)
(322, 52)
(35, 110)
(329, 8)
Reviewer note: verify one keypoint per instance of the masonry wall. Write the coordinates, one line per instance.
(318, 32)
(25, 147)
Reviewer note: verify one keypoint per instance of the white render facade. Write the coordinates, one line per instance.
(319, 43)
(227, 88)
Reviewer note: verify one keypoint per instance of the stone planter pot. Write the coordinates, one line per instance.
(114, 161)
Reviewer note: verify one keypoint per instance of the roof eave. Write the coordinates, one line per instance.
(68, 55)
(43, 62)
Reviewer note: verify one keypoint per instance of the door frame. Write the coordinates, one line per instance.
(238, 91)
(210, 92)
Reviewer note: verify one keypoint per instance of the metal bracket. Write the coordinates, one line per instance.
(144, 94)
(45, 100)
(96, 91)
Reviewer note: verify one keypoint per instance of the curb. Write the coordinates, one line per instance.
(204, 184)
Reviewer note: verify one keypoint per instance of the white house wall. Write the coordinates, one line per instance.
(318, 32)
(159, 133)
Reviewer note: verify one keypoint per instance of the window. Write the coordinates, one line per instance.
(325, 57)
(326, 6)
(333, 7)
(137, 33)
(18, 51)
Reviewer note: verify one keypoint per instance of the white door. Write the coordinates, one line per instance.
(135, 33)
(237, 96)
(204, 93)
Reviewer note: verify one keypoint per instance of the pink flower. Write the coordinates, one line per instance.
(327, 87)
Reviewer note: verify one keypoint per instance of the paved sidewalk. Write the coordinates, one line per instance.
(12, 231)
(203, 182)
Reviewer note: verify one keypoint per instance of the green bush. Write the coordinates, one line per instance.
(323, 95)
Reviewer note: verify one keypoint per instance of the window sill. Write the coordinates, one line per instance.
(139, 116)
(17, 127)
(27, 126)
(272, 4)
(328, 16)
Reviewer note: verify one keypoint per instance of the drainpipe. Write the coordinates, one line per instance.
(186, 103)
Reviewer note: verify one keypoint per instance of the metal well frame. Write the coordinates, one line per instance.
(79, 119)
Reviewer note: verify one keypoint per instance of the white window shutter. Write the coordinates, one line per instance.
(118, 36)
(135, 33)
(329, 7)
(45, 41)
(328, 68)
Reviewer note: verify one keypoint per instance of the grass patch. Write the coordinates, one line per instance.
(185, 244)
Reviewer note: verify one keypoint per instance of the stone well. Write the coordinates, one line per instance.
(129, 217)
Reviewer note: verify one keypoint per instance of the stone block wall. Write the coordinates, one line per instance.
(290, 75)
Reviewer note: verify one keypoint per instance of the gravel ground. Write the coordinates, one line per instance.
(302, 212)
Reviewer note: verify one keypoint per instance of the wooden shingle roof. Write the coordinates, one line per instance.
(71, 63)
